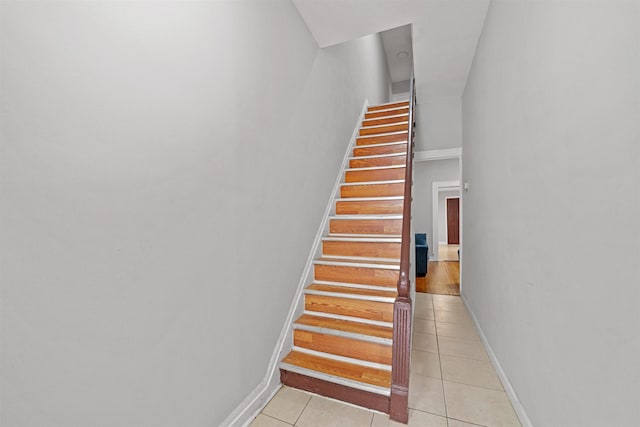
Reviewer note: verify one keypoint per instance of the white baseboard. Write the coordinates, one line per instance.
(508, 388)
(251, 406)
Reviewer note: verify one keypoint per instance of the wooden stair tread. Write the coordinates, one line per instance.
(375, 149)
(382, 138)
(345, 207)
(346, 326)
(352, 291)
(351, 371)
(381, 129)
(359, 261)
(388, 106)
(398, 118)
(382, 113)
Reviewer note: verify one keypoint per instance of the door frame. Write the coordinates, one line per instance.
(437, 188)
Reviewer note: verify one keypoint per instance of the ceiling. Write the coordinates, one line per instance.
(444, 32)
(397, 48)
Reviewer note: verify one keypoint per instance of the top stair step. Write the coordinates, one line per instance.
(388, 106)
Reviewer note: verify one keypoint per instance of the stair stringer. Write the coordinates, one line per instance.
(251, 406)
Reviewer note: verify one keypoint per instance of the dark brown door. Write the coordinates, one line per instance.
(453, 221)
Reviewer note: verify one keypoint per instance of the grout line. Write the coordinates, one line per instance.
(471, 385)
(274, 418)
(444, 397)
(463, 421)
(303, 409)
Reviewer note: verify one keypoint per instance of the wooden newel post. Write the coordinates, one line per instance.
(399, 402)
(401, 350)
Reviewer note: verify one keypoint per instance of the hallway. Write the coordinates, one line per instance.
(453, 383)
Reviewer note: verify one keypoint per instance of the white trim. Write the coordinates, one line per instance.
(391, 181)
(362, 239)
(395, 116)
(346, 359)
(341, 333)
(250, 400)
(378, 144)
(362, 235)
(375, 168)
(437, 187)
(366, 216)
(360, 258)
(355, 286)
(376, 156)
(384, 125)
(444, 154)
(406, 122)
(244, 413)
(397, 132)
(356, 264)
(508, 388)
(349, 318)
(368, 199)
(360, 297)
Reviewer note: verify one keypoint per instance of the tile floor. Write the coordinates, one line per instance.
(453, 383)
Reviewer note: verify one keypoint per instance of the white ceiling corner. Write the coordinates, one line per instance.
(445, 34)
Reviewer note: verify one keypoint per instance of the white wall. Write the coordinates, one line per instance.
(438, 123)
(425, 174)
(551, 116)
(442, 213)
(164, 169)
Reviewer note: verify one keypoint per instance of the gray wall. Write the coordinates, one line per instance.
(425, 174)
(164, 169)
(438, 123)
(551, 133)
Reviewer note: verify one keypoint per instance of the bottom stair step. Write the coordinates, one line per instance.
(355, 376)
(344, 381)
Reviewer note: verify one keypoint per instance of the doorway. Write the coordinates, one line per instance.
(443, 270)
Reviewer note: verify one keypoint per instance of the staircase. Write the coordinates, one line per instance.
(342, 344)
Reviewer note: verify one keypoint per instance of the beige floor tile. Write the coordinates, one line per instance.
(287, 405)
(448, 306)
(425, 394)
(468, 371)
(424, 326)
(265, 421)
(422, 297)
(425, 363)
(479, 405)
(462, 348)
(416, 419)
(458, 316)
(455, 330)
(322, 412)
(458, 423)
(423, 311)
(425, 342)
(447, 298)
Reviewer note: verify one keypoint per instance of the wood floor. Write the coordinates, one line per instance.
(448, 252)
(443, 277)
